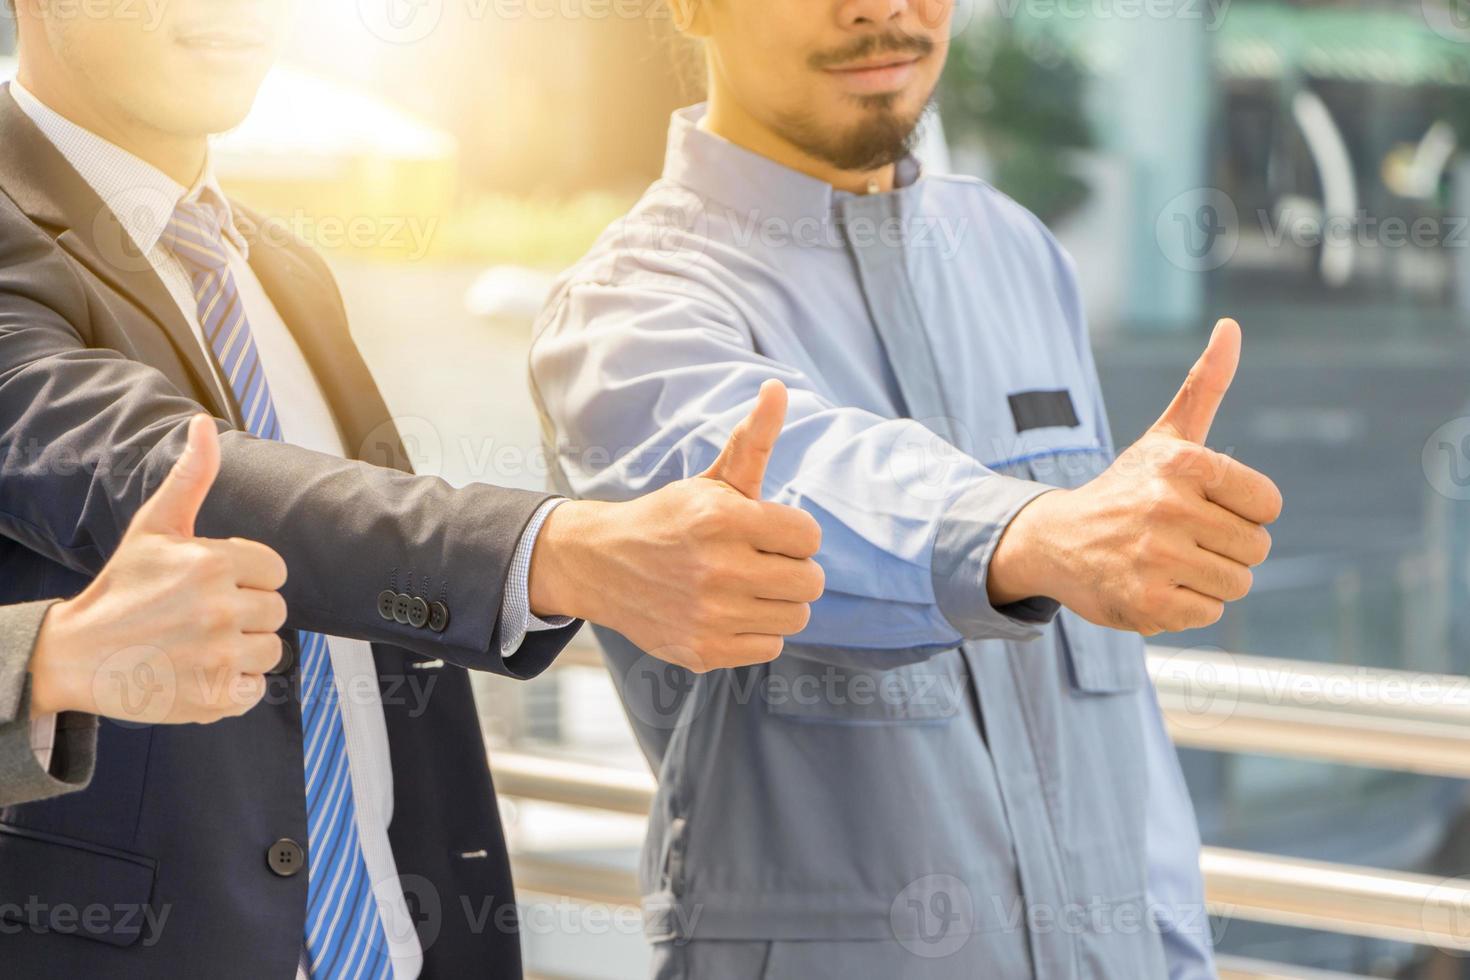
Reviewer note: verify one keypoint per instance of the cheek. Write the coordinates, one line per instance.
(111, 52)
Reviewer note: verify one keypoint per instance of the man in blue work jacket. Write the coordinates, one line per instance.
(958, 769)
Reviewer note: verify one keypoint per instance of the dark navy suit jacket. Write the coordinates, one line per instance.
(160, 868)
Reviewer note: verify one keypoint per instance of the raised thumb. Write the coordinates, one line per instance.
(742, 463)
(174, 508)
(1193, 409)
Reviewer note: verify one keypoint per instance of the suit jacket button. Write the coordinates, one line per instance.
(286, 857)
(401, 603)
(438, 617)
(418, 613)
(386, 598)
(289, 641)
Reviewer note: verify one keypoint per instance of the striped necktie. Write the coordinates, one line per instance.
(344, 933)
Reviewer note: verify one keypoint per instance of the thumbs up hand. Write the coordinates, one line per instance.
(701, 573)
(1164, 537)
(175, 628)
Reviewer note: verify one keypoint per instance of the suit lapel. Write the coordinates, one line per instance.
(44, 185)
(35, 175)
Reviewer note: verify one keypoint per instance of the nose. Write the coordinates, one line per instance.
(871, 13)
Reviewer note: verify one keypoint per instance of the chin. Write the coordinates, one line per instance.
(210, 115)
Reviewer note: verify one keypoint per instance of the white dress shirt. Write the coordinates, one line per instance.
(144, 199)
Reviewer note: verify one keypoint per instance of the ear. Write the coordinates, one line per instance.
(690, 17)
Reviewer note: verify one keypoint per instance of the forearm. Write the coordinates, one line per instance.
(905, 555)
(902, 572)
(77, 469)
(349, 531)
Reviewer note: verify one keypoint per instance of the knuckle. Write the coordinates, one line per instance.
(814, 583)
(212, 564)
(704, 610)
(278, 611)
(1150, 543)
(218, 616)
(1244, 582)
(196, 557)
(223, 658)
(1263, 546)
(713, 514)
(1160, 501)
(1274, 503)
(277, 573)
(811, 533)
(801, 618)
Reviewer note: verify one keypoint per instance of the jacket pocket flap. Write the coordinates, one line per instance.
(1103, 661)
(60, 884)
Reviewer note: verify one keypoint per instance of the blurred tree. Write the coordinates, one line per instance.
(1023, 104)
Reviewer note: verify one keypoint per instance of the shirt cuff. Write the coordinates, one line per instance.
(43, 739)
(73, 756)
(516, 618)
(965, 543)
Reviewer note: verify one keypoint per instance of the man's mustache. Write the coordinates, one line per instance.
(866, 47)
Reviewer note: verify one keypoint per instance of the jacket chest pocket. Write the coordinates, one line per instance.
(932, 691)
(1100, 660)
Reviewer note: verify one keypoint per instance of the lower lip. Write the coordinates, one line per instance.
(225, 54)
(874, 81)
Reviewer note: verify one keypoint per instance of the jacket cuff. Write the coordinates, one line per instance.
(73, 757)
(19, 627)
(963, 547)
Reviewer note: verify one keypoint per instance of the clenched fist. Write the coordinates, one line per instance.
(1165, 536)
(701, 573)
(176, 628)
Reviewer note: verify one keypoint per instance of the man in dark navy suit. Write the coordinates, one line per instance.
(346, 825)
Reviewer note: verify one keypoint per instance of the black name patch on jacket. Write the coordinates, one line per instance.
(1042, 409)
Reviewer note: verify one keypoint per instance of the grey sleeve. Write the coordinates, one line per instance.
(22, 780)
(966, 541)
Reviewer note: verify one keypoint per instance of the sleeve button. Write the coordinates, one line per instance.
(438, 617)
(418, 613)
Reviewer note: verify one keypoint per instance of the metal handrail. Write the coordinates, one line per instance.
(1401, 720)
(1238, 884)
(1363, 716)
(1344, 898)
(1245, 968)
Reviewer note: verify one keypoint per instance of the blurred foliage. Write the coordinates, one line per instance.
(1023, 104)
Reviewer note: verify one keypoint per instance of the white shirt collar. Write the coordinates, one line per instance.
(141, 196)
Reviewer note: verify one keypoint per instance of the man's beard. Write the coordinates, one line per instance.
(885, 137)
